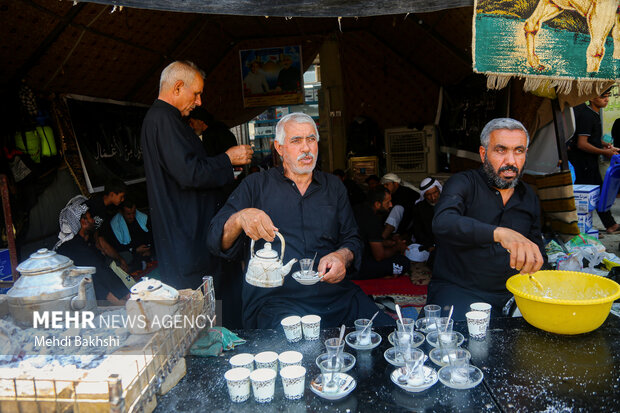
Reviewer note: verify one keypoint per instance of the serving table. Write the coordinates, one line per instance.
(525, 369)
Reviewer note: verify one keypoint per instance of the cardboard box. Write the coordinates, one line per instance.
(5, 265)
(586, 197)
(584, 222)
(593, 232)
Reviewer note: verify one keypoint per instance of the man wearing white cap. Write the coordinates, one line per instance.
(403, 199)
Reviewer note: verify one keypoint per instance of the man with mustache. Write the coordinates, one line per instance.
(311, 210)
(487, 225)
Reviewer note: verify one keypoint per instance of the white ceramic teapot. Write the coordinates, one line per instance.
(265, 268)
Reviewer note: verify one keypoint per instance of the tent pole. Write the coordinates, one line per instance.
(558, 125)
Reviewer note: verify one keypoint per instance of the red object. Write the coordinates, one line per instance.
(391, 286)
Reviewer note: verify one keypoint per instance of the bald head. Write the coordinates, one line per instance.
(181, 85)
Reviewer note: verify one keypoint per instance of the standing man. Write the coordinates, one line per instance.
(216, 137)
(586, 146)
(181, 179)
(289, 77)
(487, 225)
(311, 210)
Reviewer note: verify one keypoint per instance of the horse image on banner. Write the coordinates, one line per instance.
(547, 42)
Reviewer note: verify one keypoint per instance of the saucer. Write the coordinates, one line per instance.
(424, 326)
(304, 280)
(418, 339)
(347, 385)
(475, 377)
(351, 339)
(440, 356)
(349, 361)
(430, 376)
(431, 338)
(394, 357)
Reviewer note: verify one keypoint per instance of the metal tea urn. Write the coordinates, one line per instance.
(50, 282)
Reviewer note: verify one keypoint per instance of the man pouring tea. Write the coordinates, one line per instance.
(312, 212)
(487, 225)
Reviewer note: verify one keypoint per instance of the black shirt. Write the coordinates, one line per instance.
(370, 226)
(423, 213)
(587, 123)
(84, 253)
(466, 215)
(184, 192)
(405, 197)
(321, 221)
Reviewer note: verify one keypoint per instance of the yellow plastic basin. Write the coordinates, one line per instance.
(571, 303)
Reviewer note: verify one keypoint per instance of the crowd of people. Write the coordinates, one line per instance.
(474, 231)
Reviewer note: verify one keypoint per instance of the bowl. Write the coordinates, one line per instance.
(571, 303)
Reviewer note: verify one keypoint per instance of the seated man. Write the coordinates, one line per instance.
(381, 257)
(403, 199)
(356, 193)
(76, 241)
(311, 210)
(131, 233)
(423, 212)
(102, 207)
(487, 225)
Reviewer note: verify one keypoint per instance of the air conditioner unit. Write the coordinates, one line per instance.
(411, 154)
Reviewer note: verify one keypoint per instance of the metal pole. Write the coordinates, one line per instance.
(560, 138)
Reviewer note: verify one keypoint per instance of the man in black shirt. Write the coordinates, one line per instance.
(487, 225)
(183, 183)
(381, 257)
(311, 210)
(131, 229)
(403, 199)
(586, 146)
(102, 207)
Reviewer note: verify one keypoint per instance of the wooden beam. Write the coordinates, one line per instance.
(47, 42)
(448, 45)
(560, 138)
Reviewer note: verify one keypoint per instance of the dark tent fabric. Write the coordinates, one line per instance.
(293, 8)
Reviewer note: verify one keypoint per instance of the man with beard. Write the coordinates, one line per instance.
(311, 210)
(487, 225)
(382, 257)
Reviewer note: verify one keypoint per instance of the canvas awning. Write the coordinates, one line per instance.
(293, 8)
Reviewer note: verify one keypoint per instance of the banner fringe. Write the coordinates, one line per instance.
(561, 85)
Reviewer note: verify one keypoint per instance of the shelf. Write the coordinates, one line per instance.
(264, 136)
(265, 121)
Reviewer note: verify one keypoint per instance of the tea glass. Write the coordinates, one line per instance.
(334, 346)
(365, 325)
(459, 370)
(306, 266)
(414, 362)
(329, 373)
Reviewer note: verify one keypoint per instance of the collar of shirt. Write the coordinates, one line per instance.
(317, 179)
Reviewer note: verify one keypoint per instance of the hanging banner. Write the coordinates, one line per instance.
(549, 43)
(272, 77)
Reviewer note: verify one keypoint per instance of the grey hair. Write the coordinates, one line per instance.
(501, 123)
(298, 117)
(179, 70)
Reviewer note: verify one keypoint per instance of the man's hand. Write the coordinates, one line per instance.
(144, 250)
(524, 254)
(333, 267)
(123, 265)
(240, 155)
(256, 224)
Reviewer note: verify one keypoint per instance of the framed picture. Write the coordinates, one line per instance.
(272, 76)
